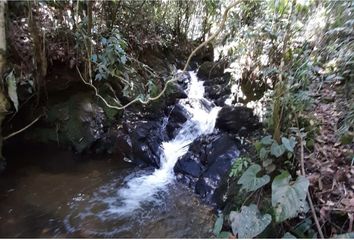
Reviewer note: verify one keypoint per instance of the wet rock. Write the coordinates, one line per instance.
(183, 78)
(140, 142)
(207, 163)
(176, 117)
(221, 101)
(174, 93)
(77, 122)
(232, 119)
(209, 70)
(190, 165)
(216, 91)
(223, 152)
(225, 79)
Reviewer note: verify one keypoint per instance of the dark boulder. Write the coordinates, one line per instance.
(221, 101)
(76, 122)
(174, 93)
(176, 117)
(207, 163)
(192, 163)
(140, 142)
(225, 79)
(210, 70)
(183, 78)
(189, 164)
(232, 119)
(216, 91)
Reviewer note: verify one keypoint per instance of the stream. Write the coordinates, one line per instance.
(61, 196)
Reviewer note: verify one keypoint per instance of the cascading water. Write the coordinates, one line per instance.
(143, 197)
(202, 121)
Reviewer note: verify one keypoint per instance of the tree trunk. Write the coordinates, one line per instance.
(278, 106)
(3, 100)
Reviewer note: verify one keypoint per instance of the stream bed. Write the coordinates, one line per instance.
(56, 195)
(69, 199)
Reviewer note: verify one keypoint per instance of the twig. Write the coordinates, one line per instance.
(174, 79)
(22, 129)
(303, 173)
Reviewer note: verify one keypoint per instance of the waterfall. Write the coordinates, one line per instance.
(138, 190)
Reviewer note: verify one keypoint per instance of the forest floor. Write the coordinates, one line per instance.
(329, 165)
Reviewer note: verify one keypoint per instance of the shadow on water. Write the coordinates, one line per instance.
(49, 192)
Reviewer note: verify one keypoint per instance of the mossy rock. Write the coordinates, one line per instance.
(77, 122)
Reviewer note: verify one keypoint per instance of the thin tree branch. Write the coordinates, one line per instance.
(23, 129)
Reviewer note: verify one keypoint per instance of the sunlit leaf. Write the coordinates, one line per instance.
(289, 199)
(218, 224)
(249, 222)
(250, 181)
(277, 150)
(289, 144)
(12, 89)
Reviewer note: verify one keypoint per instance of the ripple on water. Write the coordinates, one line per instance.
(173, 214)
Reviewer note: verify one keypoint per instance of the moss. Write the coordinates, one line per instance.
(71, 123)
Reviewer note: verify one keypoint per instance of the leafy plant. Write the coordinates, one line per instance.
(218, 224)
(249, 222)
(238, 166)
(269, 150)
(110, 60)
(289, 199)
(249, 180)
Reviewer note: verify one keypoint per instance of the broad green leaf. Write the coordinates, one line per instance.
(349, 235)
(304, 229)
(289, 144)
(267, 162)
(12, 89)
(249, 180)
(258, 145)
(249, 222)
(267, 140)
(289, 199)
(224, 234)
(277, 150)
(218, 224)
(263, 153)
(288, 235)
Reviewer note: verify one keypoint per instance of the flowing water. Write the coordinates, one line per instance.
(100, 199)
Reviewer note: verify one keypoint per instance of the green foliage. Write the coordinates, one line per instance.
(249, 222)
(288, 235)
(277, 150)
(289, 199)
(224, 235)
(289, 144)
(349, 235)
(110, 60)
(304, 229)
(218, 224)
(249, 180)
(269, 151)
(238, 166)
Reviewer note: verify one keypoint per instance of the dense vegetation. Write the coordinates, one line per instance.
(290, 60)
